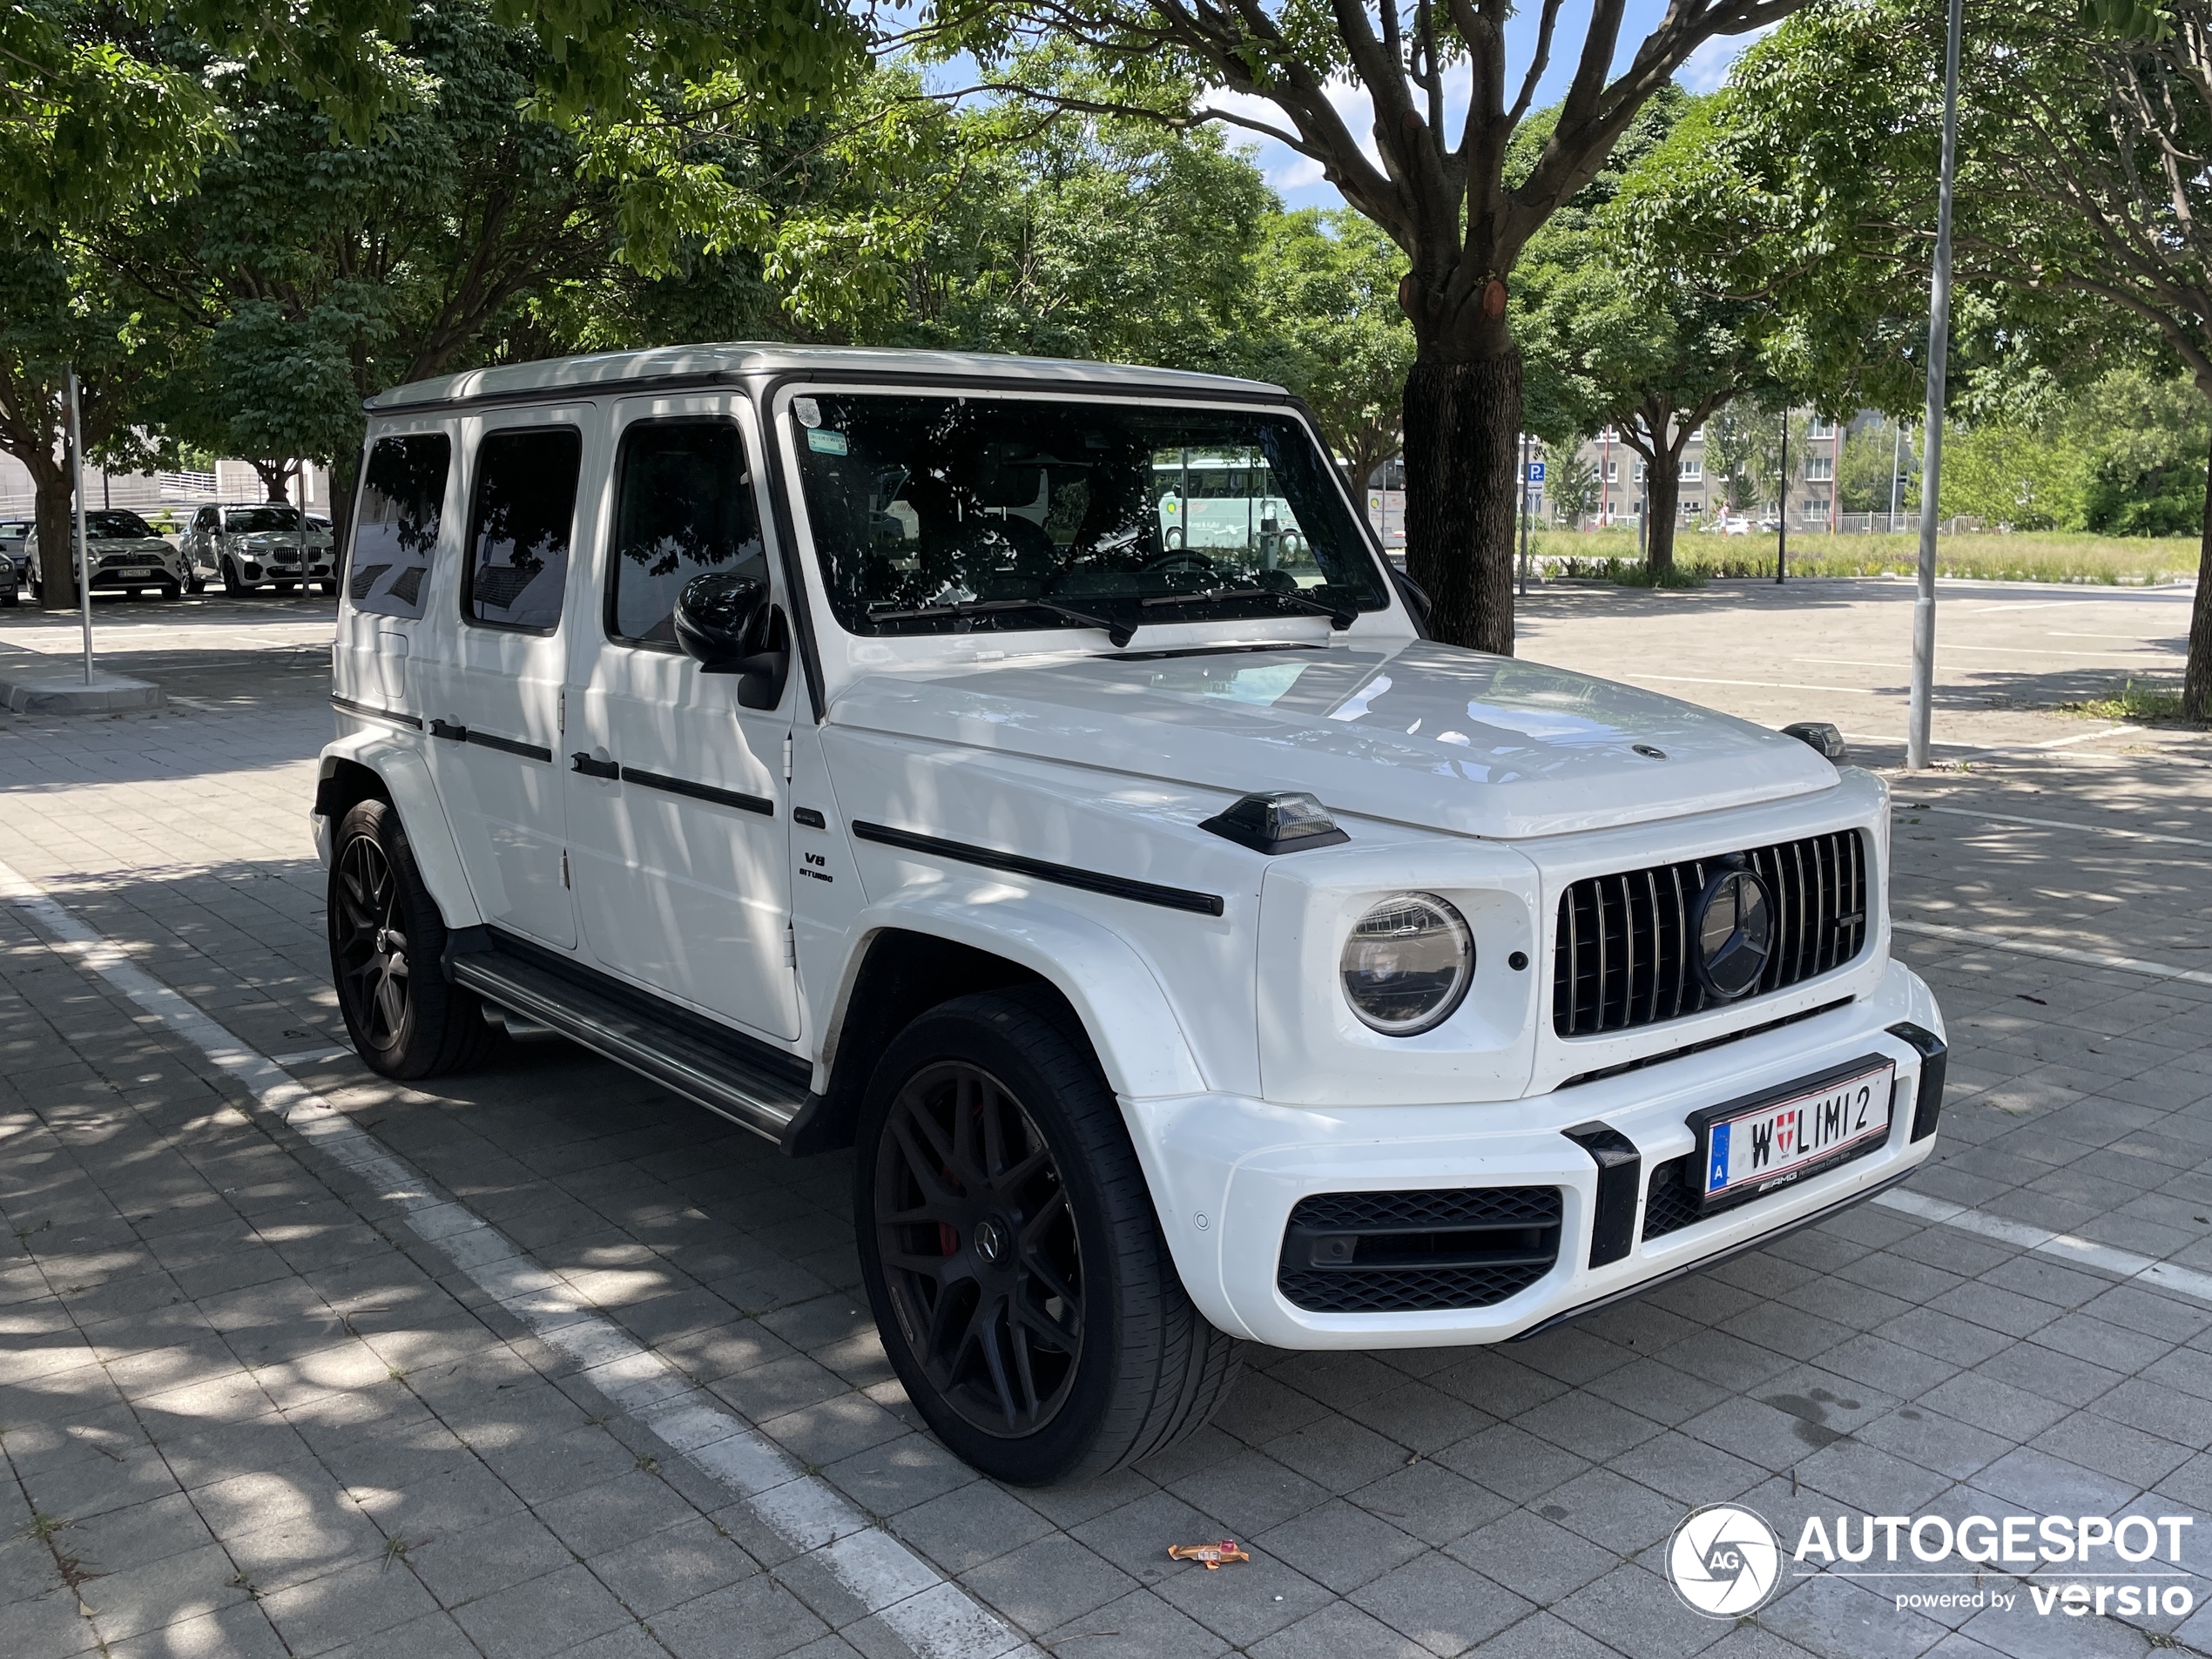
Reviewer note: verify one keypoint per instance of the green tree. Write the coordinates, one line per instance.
(58, 309)
(1621, 330)
(1440, 189)
(2080, 206)
(1326, 324)
(1571, 483)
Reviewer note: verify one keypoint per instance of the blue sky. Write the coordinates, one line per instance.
(1298, 181)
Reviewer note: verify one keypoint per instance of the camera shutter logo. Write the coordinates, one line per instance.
(1725, 1561)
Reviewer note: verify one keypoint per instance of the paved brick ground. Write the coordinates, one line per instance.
(245, 1408)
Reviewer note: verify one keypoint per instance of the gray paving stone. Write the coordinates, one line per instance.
(1339, 1545)
(968, 1526)
(1536, 1559)
(1432, 1502)
(1137, 1625)
(671, 1566)
(1635, 1612)
(1840, 1619)
(757, 1619)
(1335, 1630)
(1045, 1583)
(360, 1600)
(542, 1614)
(458, 1567)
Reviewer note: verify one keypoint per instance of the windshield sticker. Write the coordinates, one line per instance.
(809, 413)
(828, 443)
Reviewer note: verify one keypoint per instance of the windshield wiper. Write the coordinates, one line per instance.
(1340, 617)
(1119, 633)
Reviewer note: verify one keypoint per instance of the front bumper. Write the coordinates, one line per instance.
(1227, 1170)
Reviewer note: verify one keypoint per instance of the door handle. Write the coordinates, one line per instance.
(583, 763)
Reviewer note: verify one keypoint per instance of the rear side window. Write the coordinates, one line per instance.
(403, 493)
(519, 528)
(685, 506)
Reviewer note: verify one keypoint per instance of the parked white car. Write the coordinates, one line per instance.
(1189, 949)
(246, 548)
(127, 558)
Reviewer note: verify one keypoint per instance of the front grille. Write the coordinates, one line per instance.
(1420, 1251)
(1618, 961)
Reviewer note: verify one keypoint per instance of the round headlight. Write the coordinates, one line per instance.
(1407, 964)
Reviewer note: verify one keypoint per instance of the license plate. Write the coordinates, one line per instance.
(1766, 1142)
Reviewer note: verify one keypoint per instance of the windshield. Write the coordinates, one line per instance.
(114, 524)
(1132, 512)
(247, 520)
(14, 527)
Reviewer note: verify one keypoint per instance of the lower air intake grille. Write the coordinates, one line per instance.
(1404, 1252)
(1619, 961)
(1667, 1205)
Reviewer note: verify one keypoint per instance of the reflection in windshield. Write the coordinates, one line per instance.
(921, 502)
(248, 521)
(112, 524)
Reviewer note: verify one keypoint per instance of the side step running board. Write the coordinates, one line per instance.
(714, 1075)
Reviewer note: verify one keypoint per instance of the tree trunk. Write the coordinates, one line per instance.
(1462, 425)
(274, 475)
(1662, 495)
(345, 473)
(56, 537)
(2196, 684)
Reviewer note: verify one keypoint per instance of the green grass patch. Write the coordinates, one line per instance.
(2136, 700)
(1610, 554)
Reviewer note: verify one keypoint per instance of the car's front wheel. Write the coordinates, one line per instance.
(1016, 1265)
(386, 942)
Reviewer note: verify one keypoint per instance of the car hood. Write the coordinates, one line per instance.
(1421, 733)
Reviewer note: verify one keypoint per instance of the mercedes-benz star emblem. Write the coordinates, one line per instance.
(1733, 924)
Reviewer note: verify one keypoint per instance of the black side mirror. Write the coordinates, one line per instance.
(725, 621)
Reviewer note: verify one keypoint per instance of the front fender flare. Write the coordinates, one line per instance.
(1132, 1026)
(407, 784)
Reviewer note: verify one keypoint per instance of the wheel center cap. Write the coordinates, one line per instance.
(383, 941)
(990, 1240)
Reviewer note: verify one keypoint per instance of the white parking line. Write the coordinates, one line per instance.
(2056, 953)
(1770, 686)
(2055, 823)
(2065, 1246)
(931, 1614)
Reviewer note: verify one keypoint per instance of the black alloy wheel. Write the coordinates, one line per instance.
(1012, 1254)
(369, 939)
(387, 948)
(979, 1249)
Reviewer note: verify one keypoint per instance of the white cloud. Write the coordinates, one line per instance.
(1706, 68)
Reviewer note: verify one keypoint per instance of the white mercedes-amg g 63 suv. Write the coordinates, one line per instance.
(1032, 776)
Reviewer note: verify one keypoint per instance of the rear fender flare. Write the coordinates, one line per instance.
(406, 781)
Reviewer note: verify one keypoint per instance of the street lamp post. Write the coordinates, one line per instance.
(1924, 612)
(1782, 506)
(76, 498)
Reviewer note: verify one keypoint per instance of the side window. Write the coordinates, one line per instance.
(519, 527)
(684, 505)
(395, 532)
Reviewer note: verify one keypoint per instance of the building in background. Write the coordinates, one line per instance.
(148, 492)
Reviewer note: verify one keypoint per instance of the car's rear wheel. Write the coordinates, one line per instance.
(1012, 1255)
(386, 942)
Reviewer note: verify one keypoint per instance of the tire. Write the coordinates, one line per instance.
(197, 585)
(387, 940)
(171, 591)
(1067, 1219)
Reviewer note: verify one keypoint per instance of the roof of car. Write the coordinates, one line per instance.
(733, 360)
